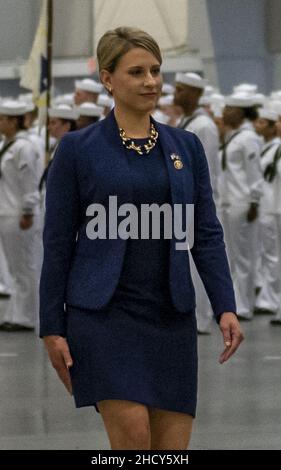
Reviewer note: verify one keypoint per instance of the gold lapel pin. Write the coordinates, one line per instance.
(177, 161)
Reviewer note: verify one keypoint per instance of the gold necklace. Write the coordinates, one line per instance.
(130, 144)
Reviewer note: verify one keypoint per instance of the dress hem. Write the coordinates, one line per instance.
(188, 411)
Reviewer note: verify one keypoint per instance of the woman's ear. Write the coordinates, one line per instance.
(105, 78)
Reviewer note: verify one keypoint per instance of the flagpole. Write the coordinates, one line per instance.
(49, 74)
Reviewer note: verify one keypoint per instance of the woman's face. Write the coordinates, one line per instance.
(136, 81)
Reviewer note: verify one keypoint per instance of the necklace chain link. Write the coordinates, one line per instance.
(130, 144)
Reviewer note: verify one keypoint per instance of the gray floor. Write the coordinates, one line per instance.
(239, 404)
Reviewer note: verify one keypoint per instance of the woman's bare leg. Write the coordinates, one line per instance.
(126, 424)
(170, 430)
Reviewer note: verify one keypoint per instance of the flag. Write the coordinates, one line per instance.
(35, 72)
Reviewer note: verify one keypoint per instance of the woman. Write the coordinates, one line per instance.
(126, 341)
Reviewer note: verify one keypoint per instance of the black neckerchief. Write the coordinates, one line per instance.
(224, 146)
(264, 152)
(271, 169)
(3, 151)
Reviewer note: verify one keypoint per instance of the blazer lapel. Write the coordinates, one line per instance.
(179, 178)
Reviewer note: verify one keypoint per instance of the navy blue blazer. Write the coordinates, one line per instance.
(90, 165)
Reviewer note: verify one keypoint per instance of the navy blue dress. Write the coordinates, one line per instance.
(139, 347)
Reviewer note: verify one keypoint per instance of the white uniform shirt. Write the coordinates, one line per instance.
(38, 141)
(204, 127)
(269, 200)
(242, 181)
(277, 188)
(20, 168)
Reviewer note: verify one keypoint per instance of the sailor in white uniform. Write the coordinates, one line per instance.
(19, 210)
(87, 91)
(277, 320)
(241, 185)
(268, 298)
(188, 90)
(62, 119)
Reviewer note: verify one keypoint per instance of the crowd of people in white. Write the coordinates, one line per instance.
(241, 134)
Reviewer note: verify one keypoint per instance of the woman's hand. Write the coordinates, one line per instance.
(60, 358)
(232, 335)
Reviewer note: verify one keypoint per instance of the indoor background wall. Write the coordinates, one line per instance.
(273, 38)
(239, 30)
(237, 40)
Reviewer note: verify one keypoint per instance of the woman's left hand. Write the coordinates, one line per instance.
(232, 335)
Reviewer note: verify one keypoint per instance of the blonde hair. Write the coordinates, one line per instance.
(117, 42)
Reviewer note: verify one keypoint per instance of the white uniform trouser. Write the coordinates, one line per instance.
(239, 236)
(5, 278)
(278, 219)
(259, 275)
(19, 248)
(270, 263)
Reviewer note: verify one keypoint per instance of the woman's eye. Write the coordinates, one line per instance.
(155, 72)
(135, 72)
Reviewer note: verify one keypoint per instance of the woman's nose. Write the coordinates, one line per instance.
(149, 80)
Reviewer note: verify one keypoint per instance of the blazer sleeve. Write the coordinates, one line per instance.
(208, 250)
(59, 237)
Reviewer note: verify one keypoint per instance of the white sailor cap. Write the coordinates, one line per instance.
(217, 99)
(160, 117)
(89, 109)
(259, 99)
(26, 98)
(168, 89)
(191, 79)
(105, 100)
(206, 98)
(250, 88)
(240, 100)
(266, 113)
(63, 111)
(88, 84)
(209, 90)
(12, 108)
(68, 99)
(30, 107)
(276, 95)
(167, 100)
(275, 105)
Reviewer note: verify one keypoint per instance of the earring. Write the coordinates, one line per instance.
(109, 89)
